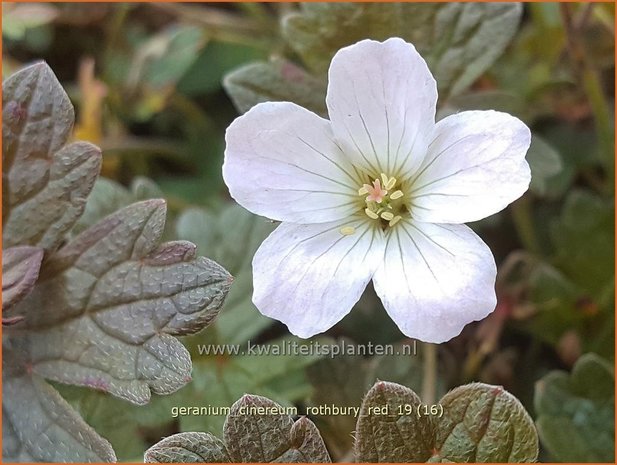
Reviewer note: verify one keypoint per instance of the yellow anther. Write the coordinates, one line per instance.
(363, 190)
(371, 214)
(387, 216)
(396, 195)
(391, 183)
(384, 180)
(394, 220)
(347, 230)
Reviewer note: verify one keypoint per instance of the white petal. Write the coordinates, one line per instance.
(281, 162)
(435, 279)
(475, 167)
(381, 101)
(310, 276)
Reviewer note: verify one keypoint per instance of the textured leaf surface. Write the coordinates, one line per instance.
(576, 411)
(58, 432)
(20, 270)
(256, 430)
(458, 40)
(475, 423)
(44, 182)
(188, 448)
(271, 437)
(109, 303)
(278, 80)
(483, 423)
(385, 433)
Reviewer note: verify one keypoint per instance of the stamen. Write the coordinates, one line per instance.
(384, 178)
(394, 220)
(347, 230)
(396, 195)
(363, 190)
(371, 214)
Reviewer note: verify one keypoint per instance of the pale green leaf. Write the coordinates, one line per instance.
(274, 81)
(45, 182)
(576, 412)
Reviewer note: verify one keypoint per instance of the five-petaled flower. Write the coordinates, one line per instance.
(379, 191)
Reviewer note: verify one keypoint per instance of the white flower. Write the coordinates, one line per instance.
(377, 192)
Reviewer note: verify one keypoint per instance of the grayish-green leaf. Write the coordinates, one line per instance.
(277, 80)
(38, 425)
(231, 239)
(483, 423)
(188, 448)
(270, 437)
(576, 412)
(387, 432)
(108, 304)
(544, 162)
(458, 40)
(44, 182)
(108, 196)
(20, 270)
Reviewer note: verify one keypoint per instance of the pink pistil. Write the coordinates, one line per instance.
(375, 193)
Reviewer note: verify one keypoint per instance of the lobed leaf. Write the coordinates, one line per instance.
(45, 183)
(109, 303)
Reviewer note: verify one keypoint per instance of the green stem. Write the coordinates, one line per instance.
(429, 380)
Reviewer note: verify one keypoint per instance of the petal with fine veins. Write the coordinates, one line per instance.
(435, 279)
(310, 276)
(475, 167)
(281, 162)
(381, 101)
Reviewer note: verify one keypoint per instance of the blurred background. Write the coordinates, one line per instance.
(156, 85)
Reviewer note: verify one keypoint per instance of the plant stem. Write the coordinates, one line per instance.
(429, 380)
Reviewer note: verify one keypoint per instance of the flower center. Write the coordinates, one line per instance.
(383, 203)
